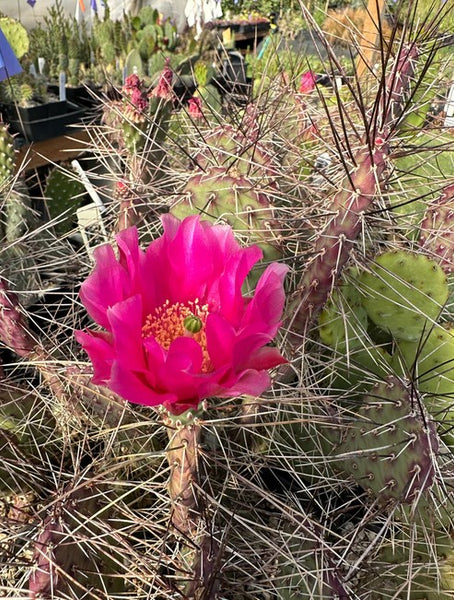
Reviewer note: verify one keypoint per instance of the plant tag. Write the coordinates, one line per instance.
(91, 227)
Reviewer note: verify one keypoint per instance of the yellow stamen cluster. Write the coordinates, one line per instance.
(168, 323)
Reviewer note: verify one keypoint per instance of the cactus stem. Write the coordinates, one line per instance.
(187, 510)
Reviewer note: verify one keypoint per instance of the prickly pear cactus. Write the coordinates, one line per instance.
(16, 34)
(404, 293)
(301, 578)
(390, 446)
(437, 230)
(343, 321)
(64, 194)
(430, 364)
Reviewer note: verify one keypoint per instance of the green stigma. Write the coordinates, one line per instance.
(192, 324)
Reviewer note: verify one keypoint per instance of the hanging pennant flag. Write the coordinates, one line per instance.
(9, 65)
(82, 5)
(94, 5)
(31, 2)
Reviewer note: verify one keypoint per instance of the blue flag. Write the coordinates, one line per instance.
(9, 65)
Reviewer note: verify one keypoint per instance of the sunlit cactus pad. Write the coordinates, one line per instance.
(389, 447)
(404, 293)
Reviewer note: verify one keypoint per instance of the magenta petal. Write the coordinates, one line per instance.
(99, 348)
(133, 387)
(185, 354)
(268, 302)
(220, 336)
(246, 346)
(187, 256)
(128, 245)
(108, 284)
(236, 270)
(264, 359)
(249, 382)
(125, 319)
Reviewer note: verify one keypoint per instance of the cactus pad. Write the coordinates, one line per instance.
(344, 319)
(16, 34)
(432, 363)
(388, 449)
(220, 195)
(64, 195)
(404, 293)
(437, 230)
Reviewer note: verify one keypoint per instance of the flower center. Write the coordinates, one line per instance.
(171, 321)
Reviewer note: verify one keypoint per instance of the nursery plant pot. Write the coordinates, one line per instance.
(80, 94)
(36, 113)
(53, 125)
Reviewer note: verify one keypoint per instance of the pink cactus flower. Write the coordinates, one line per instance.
(195, 107)
(164, 87)
(177, 328)
(132, 82)
(139, 100)
(307, 83)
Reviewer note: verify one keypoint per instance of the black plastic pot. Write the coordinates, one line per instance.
(36, 113)
(37, 130)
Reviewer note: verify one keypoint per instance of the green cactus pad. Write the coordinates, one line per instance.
(389, 446)
(431, 363)
(307, 565)
(343, 321)
(425, 543)
(16, 34)
(64, 193)
(404, 293)
(210, 98)
(134, 64)
(229, 147)
(219, 195)
(437, 231)
(421, 172)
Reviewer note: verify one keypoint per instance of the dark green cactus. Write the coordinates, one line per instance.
(14, 331)
(343, 321)
(390, 446)
(65, 544)
(64, 194)
(311, 572)
(63, 48)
